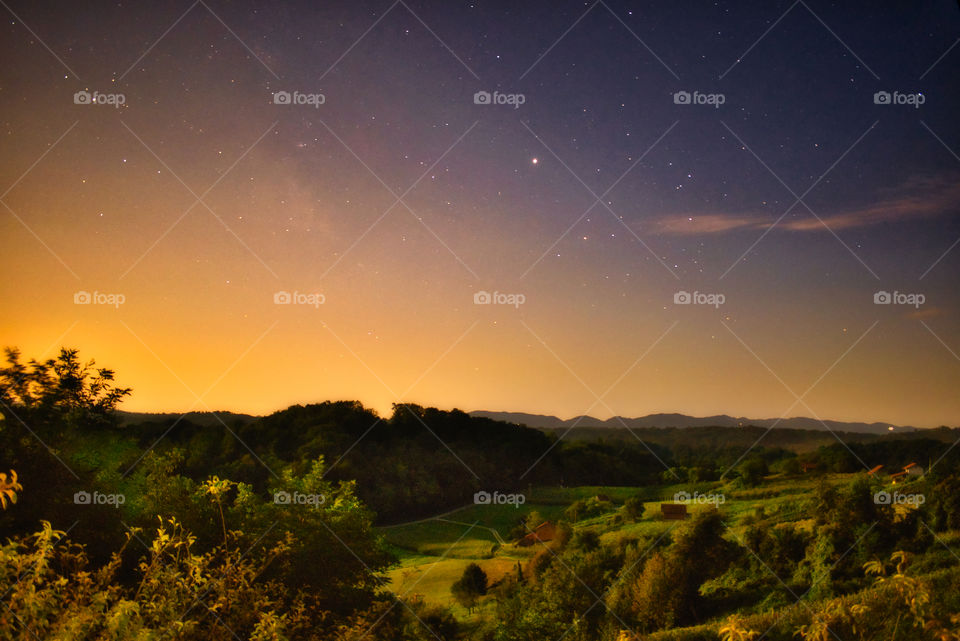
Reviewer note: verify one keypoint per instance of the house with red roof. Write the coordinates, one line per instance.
(541, 534)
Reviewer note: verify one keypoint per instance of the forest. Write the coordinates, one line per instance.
(310, 522)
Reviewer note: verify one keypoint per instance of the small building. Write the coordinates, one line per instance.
(673, 511)
(541, 534)
(909, 471)
(898, 477)
(808, 467)
(875, 471)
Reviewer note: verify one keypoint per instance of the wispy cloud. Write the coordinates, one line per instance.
(917, 199)
(925, 313)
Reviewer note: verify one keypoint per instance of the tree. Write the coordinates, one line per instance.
(789, 465)
(655, 595)
(752, 471)
(43, 404)
(57, 393)
(525, 525)
(430, 623)
(470, 587)
(666, 592)
(945, 504)
(333, 554)
(586, 540)
(314, 518)
(851, 528)
(633, 509)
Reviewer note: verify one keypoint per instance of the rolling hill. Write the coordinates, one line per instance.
(542, 421)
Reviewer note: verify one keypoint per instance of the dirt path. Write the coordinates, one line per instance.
(440, 517)
(494, 532)
(424, 520)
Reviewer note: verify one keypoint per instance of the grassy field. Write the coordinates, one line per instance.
(443, 538)
(504, 518)
(434, 552)
(429, 577)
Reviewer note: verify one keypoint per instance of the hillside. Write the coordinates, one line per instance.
(544, 421)
(197, 418)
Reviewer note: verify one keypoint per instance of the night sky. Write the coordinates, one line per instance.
(163, 235)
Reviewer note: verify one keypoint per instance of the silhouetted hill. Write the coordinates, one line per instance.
(422, 460)
(682, 420)
(197, 418)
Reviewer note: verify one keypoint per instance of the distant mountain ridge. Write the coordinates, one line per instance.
(544, 421)
(548, 422)
(199, 418)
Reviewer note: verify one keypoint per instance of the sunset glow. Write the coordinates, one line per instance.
(385, 205)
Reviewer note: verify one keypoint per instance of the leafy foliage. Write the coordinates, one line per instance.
(9, 488)
(214, 595)
(58, 392)
(470, 587)
(245, 531)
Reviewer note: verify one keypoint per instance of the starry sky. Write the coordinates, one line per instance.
(747, 208)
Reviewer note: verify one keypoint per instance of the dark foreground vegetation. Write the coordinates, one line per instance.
(265, 529)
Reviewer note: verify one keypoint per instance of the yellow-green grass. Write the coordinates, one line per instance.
(504, 518)
(453, 536)
(567, 495)
(780, 499)
(434, 553)
(429, 578)
(616, 494)
(442, 538)
(436, 535)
